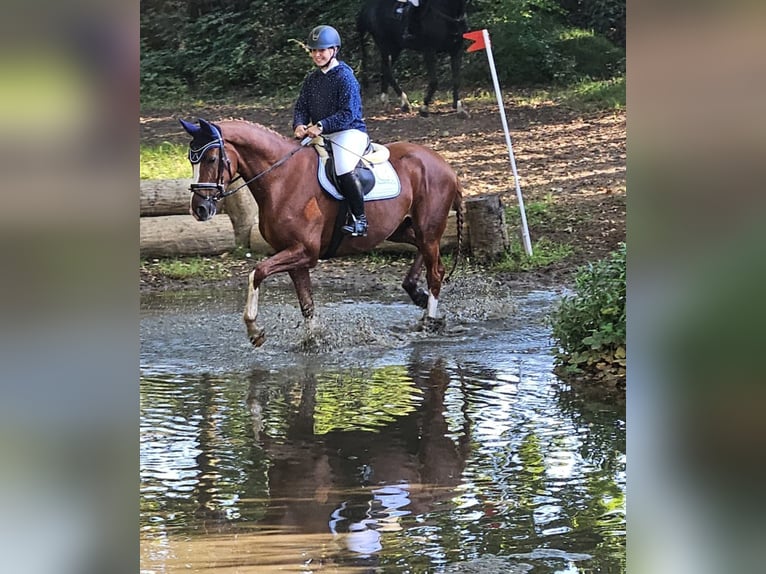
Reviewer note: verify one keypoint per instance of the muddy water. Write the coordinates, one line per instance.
(369, 447)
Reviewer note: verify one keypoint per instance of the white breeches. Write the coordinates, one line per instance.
(347, 148)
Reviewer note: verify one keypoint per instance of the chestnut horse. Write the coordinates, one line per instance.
(298, 219)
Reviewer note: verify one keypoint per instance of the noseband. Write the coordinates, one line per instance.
(195, 157)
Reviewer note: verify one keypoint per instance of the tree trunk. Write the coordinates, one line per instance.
(243, 212)
(487, 233)
(178, 235)
(165, 197)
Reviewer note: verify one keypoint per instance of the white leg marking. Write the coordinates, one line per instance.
(405, 101)
(433, 303)
(251, 307)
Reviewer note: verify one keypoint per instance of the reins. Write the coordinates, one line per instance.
(196, 187)
(264, 172)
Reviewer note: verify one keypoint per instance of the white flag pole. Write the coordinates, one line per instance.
(524, 228)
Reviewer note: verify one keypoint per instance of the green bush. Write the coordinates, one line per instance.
(589, 326)
(593, 56)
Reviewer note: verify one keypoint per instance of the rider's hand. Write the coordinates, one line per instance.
(314, 130)
(300, 131)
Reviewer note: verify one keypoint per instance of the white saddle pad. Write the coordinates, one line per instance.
(386, 182)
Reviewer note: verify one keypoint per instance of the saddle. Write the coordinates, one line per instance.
(380, 180)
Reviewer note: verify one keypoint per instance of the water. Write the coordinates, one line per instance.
(379, 450)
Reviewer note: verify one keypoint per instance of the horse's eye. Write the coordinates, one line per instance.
(212, 159)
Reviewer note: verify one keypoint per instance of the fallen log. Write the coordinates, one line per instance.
(164, 197)
(179, 235)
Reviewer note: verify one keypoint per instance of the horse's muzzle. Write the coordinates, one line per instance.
(205, 209)
(204, 205)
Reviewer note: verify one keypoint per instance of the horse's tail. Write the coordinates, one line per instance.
(457, 205)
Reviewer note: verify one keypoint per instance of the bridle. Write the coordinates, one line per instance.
(200, 189)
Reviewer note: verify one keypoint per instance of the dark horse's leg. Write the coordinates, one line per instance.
(296, 262)
(456, 59)
(387, 61)
(430, 60)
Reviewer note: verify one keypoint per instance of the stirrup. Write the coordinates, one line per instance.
(358, 227)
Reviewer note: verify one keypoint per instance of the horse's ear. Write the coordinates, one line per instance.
(207, 127)
(210, 129)
(190, 128)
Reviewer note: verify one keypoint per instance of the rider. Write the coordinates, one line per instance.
(330, 104)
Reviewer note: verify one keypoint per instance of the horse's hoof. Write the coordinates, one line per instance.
(463, 114)
(433, 324)
(257, 337)
(423, 111)
(406, 109)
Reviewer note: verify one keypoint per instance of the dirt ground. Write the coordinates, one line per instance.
(576, 162)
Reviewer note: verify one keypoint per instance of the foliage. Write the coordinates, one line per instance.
(211, 49)
(605, 17)
(533, 43)
(589, 326)
(593, 56)
(164, 161)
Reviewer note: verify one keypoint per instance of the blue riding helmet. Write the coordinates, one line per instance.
(323, 37)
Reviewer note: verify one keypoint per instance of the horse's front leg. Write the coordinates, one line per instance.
(456, 59)
(285, 260)
(430, 60)
(302, 283)
(256, 335)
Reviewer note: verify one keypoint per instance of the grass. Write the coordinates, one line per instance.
(165, 161)
(544, 252)
(188, 268)
(592, 95)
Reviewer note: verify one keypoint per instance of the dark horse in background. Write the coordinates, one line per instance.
(298, 219)
(440, 30)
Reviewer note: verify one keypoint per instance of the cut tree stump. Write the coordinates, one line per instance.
(179, 235)
(487, 233)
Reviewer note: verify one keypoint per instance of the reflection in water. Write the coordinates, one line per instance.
(452, 454)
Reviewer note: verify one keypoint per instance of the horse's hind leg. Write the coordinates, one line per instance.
(434, 277)
(418, 295)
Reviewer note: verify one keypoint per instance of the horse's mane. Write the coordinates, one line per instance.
(259, 127)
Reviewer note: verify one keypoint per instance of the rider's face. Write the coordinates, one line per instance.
(322, 56)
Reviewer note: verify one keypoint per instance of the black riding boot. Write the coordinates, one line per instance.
(351, 186)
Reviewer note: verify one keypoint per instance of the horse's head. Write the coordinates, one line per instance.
(212, 168)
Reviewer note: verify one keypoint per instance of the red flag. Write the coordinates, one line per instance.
(478, 40)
